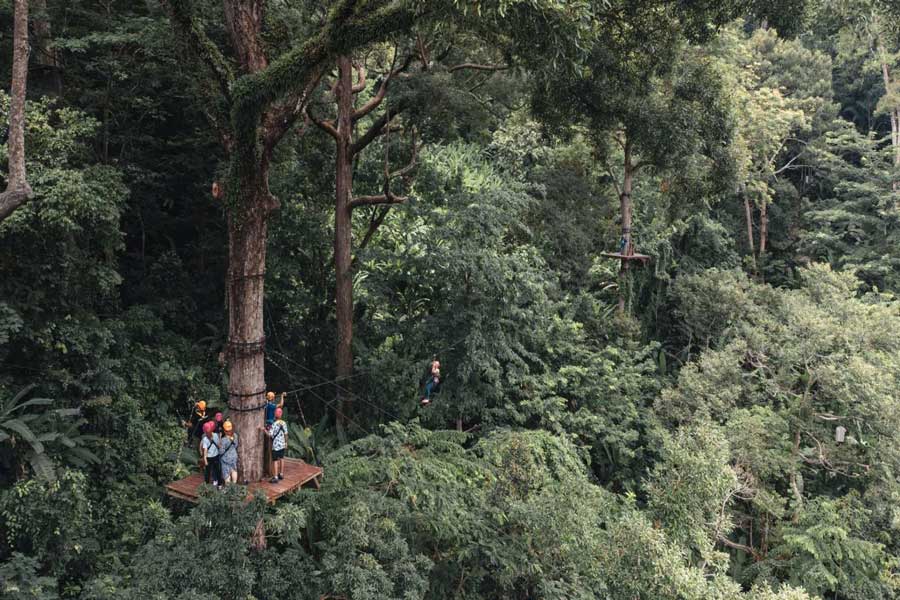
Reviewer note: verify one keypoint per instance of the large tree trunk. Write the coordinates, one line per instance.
(343, 240)
(17, 189)
(625, 208)
(247, 229)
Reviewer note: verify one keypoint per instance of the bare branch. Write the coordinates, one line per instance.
(377, 128)
(361, 79)
(387, 198)
(477, 67)
(326, 126)
(423, 52)
(378, 98)
(189, 28)
(725, 541)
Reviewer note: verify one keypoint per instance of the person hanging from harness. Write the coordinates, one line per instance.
(432, 380)
(277, 432)
(195, 424)
(210, 455)
(229, 447)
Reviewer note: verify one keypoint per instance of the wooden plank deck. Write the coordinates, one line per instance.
(296, 474)
(618, 256)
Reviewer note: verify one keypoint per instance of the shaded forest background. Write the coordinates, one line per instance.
(722, 422)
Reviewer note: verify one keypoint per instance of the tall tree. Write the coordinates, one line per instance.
(253, 107)
(17, 189)
(348, 147)
(653, 107)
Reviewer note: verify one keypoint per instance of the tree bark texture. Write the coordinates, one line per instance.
(343, 238)
(247, 230)
(17, 189)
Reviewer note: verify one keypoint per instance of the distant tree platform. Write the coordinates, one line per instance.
(641, 257)
(296, 474)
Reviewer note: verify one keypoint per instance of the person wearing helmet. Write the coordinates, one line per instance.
(228, 448)
(219, 419)
(210, 455)
(278, 434)
(432, 380)
(271, 406)
(198, 417)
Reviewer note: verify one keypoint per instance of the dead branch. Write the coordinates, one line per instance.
(477, 67)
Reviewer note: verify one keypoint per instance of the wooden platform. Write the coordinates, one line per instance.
(296, 473)
(617, 256)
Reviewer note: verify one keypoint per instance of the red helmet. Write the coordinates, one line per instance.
(278, 413)
(219, 417)
(209, 427)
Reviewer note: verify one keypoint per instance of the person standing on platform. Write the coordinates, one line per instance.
(198, 416)
(271, 406)
(219, 419)
(210, 454)
(228, 448)
(277, 432)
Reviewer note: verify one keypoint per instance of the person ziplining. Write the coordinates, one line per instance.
(431, 380)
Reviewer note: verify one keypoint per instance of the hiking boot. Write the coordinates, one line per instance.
(273, 480)
(281, 476)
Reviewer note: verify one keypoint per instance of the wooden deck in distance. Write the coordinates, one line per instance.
(296, 473)
(618, 256)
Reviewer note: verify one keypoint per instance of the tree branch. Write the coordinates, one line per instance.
(376, 100)
(10, 200)
(189, 28)
(375, 221)
(361, 79)
(345, 26)
(477, 67)
(388, 197)
(378, 199)
(377, 128)
(326, 126)
(277, 122)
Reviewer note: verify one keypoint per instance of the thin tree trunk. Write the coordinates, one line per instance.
(625, 208)
(894, 113)
(763, 227)
(46, 56)
(748, 214)
(343, 239)
(17, 189)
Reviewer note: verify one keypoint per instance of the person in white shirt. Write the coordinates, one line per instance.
(210, 455)
(278, 432)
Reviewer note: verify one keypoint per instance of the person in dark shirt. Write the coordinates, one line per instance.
(194, 426)
(271, 406)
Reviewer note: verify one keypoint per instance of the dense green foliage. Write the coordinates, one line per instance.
(734, 433)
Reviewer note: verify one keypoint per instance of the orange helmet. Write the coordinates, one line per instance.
(201, 405)
(227, 426)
